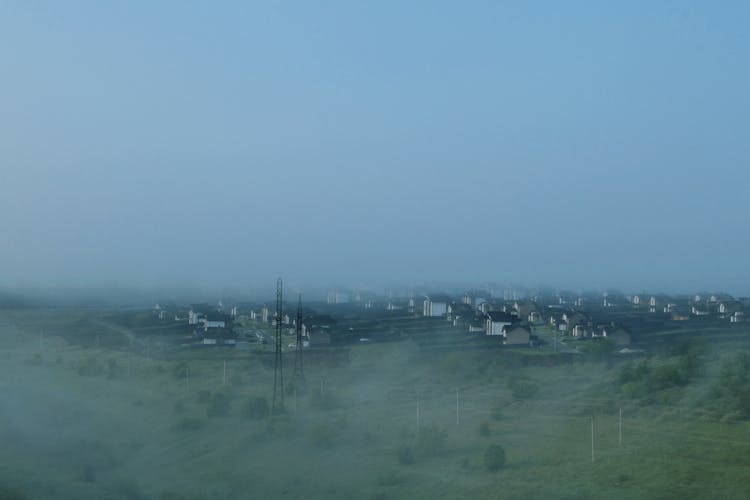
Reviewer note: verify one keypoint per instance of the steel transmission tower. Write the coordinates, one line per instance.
(277, 404)
(299, 372)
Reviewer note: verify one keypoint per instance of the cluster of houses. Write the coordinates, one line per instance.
(513, 318)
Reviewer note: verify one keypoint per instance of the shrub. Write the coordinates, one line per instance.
(733, 387)
(181, 369)
(322, 436)
(111, 368)
(189, 424)
(218, 405)
(124, 489)
(484, 429)
(523, 387)
(494, 458)
(203, 396)
(256, 408)
(235, 378)
(89, 367)
(405, 454)
(642, 379)
(497, 411)
(88, 474)
(8, 494)
(322, 400)
(171, 495)
(430, 441)
(599, 349)
(389, 479)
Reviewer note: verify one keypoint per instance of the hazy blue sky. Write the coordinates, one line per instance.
(571, 143)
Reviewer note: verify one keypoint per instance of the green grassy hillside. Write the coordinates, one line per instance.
(395, 422)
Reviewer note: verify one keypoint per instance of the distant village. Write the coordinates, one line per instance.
(476, 318)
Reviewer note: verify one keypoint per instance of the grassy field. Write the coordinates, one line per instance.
(88, 420)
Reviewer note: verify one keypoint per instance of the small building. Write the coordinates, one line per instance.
(729, 307)
(516, 335)
(435, 306)
(535, 318)
(495, 322)
(619, 335)
(215, 320)
(338, 297)
(197, 312)
(580, 332)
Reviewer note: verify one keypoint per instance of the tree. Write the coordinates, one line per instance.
(494, 458)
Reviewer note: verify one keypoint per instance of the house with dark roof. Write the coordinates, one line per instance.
(516, 335)
(495, 321)
(729, 307)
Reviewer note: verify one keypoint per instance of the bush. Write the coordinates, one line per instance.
(322, 400)
(599, 349)
(111, 368)
(171, 495)
(389, 479)
(733, 387)
(8, 494)
(430, 441)
(494, 458)
(189, 424)
(523, 387)
(218, 406)
(90, 367)
(484, 429)
(256, 408)
(322, 436)
(235, 378)
(497, 411)
(181, 369)
(405, 454)
(203, 396)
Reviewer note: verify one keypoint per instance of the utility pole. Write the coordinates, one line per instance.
(457, 416)
(277, 404)
(592, 438)
(418, 424)
(621, 426)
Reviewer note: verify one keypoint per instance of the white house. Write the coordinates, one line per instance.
(579, 331)
(337, 297)
(434, 307)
